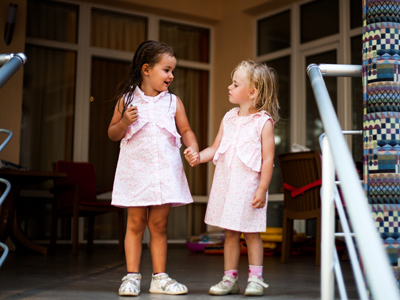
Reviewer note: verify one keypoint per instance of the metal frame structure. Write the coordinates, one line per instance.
(9, 64)
(337, 156)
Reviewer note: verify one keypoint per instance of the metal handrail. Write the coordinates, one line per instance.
(5, 193)
(8, 138)
(347, 234)
(377, 268)
(9, 64)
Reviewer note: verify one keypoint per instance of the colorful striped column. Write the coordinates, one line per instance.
(381, 104)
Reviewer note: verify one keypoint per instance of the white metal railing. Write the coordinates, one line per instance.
(5, 193)
(347, 234)
(9, 64)
(336, 156)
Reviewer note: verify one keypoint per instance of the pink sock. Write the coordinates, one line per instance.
(255, 271)
(231, 273)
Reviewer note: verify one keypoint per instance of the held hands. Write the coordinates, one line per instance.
(192, 157)
(259, 199)
(130, 115)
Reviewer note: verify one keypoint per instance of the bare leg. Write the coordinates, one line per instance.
(136, 225)
(158, 221)
(231, 249)
(254, 248)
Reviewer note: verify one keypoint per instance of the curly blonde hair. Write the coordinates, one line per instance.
(265, 80)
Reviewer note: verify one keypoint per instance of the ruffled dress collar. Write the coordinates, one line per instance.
(139, 93)
(233, 114)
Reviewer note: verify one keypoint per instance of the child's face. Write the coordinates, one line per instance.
(160, 76)
(239, 90)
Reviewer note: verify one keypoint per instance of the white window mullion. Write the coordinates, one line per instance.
(153, 31)
(82, 93)
(344, 57)
(297, 101)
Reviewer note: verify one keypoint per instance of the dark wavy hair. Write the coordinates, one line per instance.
(149, 52)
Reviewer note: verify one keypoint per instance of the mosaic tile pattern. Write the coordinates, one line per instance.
(381, 128)
(381, 100)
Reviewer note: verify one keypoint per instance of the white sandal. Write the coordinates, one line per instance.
(223, 288)
(255, 287)
(130, 285)
(163, 284)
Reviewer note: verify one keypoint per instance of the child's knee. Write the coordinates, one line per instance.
(158, 226)
(251, 236)
(136, 225)
(232, 235)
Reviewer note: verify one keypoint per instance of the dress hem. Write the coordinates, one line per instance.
(235, 229)
(173, 204)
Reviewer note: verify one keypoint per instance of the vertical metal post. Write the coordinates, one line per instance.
(328, 223)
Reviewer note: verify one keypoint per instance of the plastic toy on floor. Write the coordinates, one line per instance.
(197, 243)
(213, 242)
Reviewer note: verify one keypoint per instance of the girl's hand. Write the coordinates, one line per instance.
(130, 115)
(259, 199)
(192, 157)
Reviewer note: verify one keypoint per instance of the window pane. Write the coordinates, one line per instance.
(52, 20)
(117, 31)
(314, 126)
(282, 128)
(357, 99)
(319, 19)
(191, 86)
(355, 13)
(189, 43)
(48, 107)
(273, 33)
(106, 75)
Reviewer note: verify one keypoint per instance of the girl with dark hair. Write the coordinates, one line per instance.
(149, 180)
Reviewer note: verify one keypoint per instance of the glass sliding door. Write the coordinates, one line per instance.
(314, 126)
(106, 74)
(48, 107)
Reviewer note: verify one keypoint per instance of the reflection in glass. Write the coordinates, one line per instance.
(189, 43)
(319, 19)
(52, 20)
(282, 128)
(314, 126)
(273, 33)
(357, 99)
(117, 31)
(48, 107)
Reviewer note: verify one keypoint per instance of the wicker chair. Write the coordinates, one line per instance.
(301, 172)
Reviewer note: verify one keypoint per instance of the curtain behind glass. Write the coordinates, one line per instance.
(117, 31)
(191, 87)
(189, 43)
(103, 153)
(282, 128)
(357, 110)
(48, 107)
(52, 21)
(314, 125)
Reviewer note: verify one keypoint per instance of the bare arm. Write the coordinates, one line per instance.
(195, 158)
(182, 123)
(268, 153)
(119, 124)
(208, 153)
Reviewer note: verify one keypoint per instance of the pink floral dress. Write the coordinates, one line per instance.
(237, 175)
(150, 170)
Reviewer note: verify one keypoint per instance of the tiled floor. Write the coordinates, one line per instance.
(98, 275)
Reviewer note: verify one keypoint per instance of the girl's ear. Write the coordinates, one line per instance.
(253, 93)
(145, 69)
